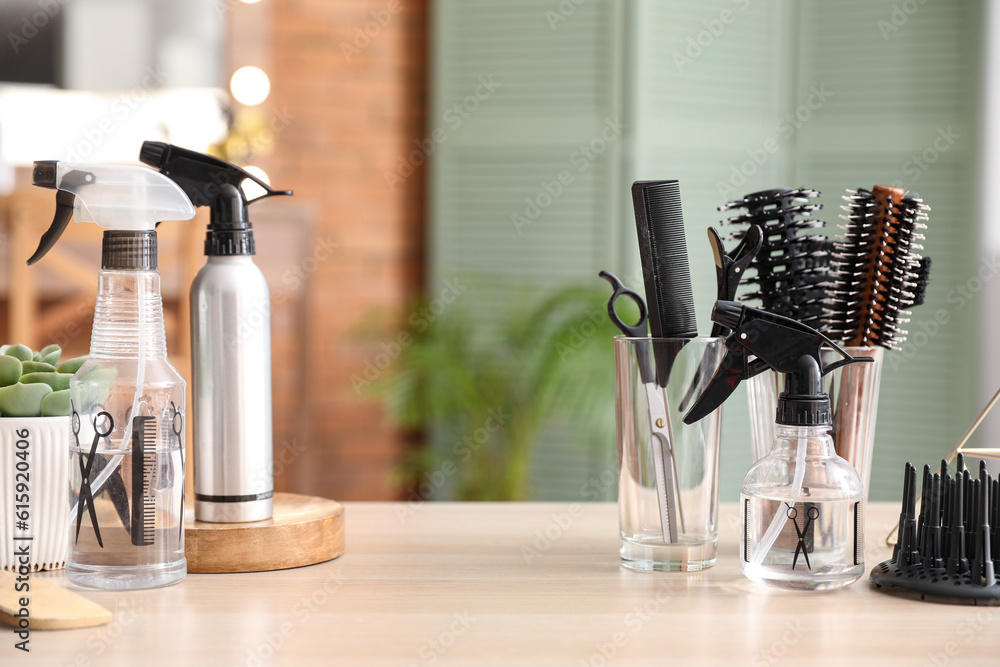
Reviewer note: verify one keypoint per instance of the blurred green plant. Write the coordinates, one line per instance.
(481, 392)
(35, 384)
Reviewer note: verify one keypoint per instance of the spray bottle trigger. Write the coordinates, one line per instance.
(65, 201)
(843, 362)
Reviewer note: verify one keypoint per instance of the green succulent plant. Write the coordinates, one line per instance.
(35, 384)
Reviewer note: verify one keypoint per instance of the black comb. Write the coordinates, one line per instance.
(792, 267)
(663, 251)
(952, 549)
(877, 273)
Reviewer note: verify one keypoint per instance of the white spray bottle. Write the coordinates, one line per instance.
(127, 441)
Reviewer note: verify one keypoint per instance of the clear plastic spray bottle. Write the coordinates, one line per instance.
(127, 440)
(802, 506)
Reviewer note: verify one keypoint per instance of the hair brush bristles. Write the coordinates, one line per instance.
(923, 276)
(791, 268)
(876, 270)
(950, 546)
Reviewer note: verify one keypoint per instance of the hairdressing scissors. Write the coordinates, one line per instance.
(664, 461)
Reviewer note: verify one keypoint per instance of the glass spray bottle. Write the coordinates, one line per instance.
(802, 506)
(127, 439)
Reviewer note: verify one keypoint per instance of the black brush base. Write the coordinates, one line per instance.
(948, 549)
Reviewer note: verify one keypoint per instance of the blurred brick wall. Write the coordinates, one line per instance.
(352, 106)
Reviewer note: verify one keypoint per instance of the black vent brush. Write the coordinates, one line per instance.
(791, 268)
(663, 252)
(877, 273)
(951, 546)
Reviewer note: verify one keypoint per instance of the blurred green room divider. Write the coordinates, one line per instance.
(543, 113)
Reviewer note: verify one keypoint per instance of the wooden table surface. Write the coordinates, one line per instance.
(513, 584)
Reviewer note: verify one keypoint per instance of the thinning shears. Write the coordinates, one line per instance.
(664, 459)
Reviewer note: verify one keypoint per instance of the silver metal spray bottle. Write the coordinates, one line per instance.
(230, 341)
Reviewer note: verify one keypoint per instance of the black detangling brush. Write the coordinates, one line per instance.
(663, 252)
(877, 274)
(952, 547)
(791, 268)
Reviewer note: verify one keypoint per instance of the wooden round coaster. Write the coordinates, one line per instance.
(305, 530)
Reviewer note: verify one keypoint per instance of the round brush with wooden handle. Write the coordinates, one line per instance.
(877, 276)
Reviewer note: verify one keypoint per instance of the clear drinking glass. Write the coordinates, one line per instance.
(853, 391)
(693, 463)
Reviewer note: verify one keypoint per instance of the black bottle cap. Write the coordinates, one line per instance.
(227, 242)
(804, 403)
(804, 410)
(128, 250)
(229, 230)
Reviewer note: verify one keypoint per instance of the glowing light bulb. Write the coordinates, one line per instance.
(251, 189)
(250, 85)
(258, 172)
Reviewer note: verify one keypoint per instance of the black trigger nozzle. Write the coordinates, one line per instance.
(151, 153)
(727, 313)
(43, 173)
